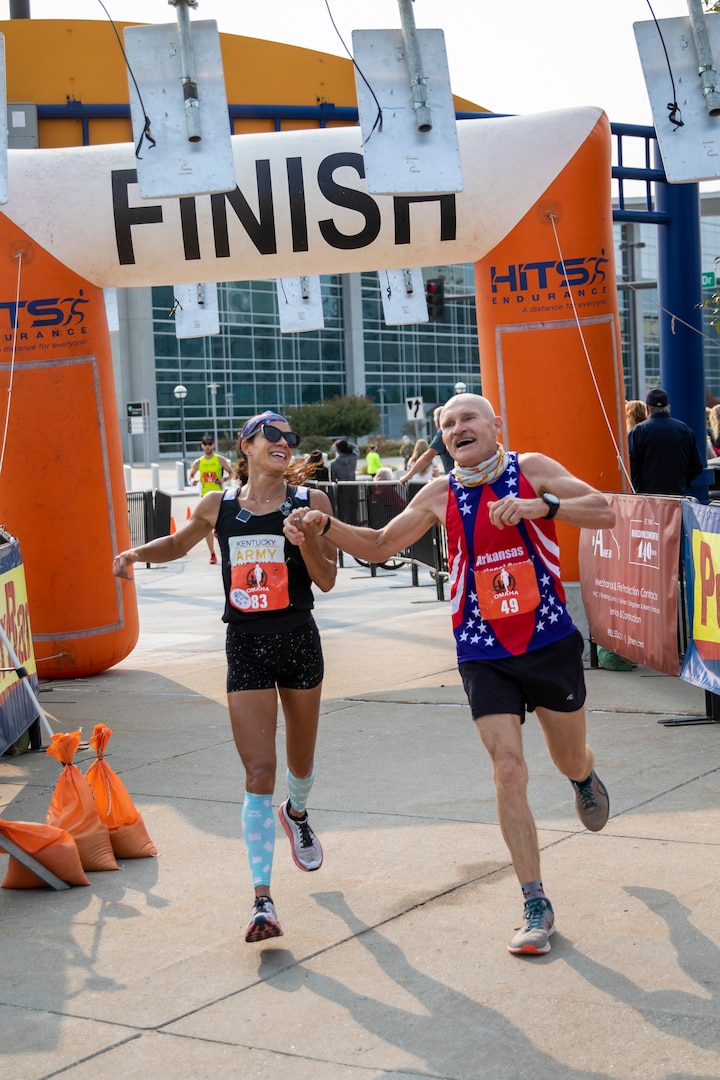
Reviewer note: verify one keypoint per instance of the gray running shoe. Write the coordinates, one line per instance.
(306, 850)
(534, 937)
(592, 802)
(263, 921)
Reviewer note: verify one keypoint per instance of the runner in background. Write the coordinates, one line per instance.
(209, 471)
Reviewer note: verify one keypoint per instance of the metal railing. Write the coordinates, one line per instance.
(148, 515)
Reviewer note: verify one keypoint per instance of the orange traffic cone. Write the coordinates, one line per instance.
(188, 514)
(172, 526)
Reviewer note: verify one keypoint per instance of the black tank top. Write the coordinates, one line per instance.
(267, 585)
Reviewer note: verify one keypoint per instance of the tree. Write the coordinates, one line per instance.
(351, 415)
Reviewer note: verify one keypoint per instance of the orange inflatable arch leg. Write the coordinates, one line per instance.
(556, 264)
(61, 485)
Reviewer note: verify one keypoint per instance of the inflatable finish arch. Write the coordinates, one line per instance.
(74, 223)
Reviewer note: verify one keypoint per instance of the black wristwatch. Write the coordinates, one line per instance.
(553, 504)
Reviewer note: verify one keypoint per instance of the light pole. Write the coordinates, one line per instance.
(635, 305)
(460, 387)
(180, 393)
(213, 388)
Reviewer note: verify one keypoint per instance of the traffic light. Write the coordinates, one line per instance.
(435, 296)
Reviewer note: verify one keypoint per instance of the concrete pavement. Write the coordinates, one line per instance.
(393, 962)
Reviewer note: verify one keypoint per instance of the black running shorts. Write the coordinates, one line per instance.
(552, 677)
(291, 659)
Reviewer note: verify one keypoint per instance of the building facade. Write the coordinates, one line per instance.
(250, 365)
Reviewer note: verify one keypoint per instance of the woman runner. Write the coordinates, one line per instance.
(273, 645)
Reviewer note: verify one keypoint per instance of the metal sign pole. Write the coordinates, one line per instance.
(187, 61)
(413, 61)
(706, 71)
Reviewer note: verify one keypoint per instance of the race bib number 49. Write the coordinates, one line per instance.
(506, 590)
(258, 573)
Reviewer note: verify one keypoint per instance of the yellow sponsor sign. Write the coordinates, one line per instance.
(706, 561)
(15, 619)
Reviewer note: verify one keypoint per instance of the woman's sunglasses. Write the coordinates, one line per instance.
(274, 434)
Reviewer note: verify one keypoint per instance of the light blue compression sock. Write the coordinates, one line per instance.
(299, 790)
(258, 826)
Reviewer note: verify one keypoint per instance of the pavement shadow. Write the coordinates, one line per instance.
(69, 965)
(448, 1030)
(674, 1011)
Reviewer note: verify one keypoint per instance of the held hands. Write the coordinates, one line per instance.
(509, 510)
(123, 564)
(302, 525)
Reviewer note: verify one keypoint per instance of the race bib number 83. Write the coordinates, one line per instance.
(258, 573)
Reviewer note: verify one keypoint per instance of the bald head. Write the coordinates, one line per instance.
(469, 401)
(470, 428)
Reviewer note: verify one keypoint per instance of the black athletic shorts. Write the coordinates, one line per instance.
(291, 659)
(552, 677)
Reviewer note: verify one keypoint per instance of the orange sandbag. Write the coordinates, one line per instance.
(72, 807)
(128, 835)
(54, 848)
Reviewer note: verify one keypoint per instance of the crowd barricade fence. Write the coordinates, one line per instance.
(149, 515)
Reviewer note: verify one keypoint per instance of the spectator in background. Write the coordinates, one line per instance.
(372, 461)
(664, 455)
(315, 467)
(714, 426)
(406, 449)
(421, 453)
(385, 473)
(634, 414)
(344, 465)
(436, 447)
(384, 500)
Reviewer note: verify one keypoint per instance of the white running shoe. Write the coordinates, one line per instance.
(263, 921)
(534, 937)
(306, 849)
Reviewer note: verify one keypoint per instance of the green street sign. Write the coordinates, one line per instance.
(708, 279)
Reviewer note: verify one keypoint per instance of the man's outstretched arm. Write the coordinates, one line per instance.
(374, 545)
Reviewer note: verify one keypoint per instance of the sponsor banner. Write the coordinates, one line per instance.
(629, 580)
(701, 552)
(17, 711)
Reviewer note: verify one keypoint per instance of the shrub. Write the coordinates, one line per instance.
(308, 443)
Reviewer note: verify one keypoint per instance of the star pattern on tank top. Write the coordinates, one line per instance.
(463, 495)
(476, 631)
(550, 609)
(477, 624)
